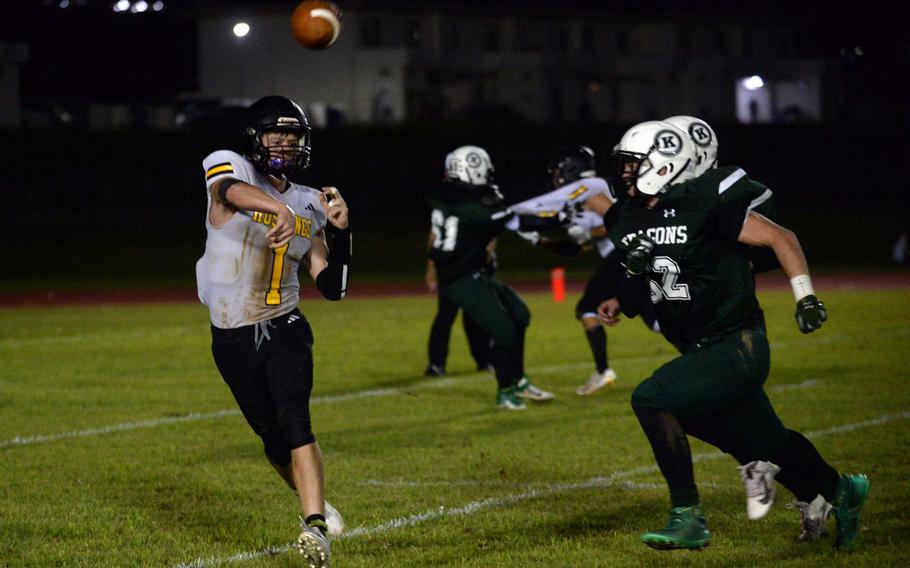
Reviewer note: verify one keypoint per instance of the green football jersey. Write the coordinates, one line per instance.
(464, 219)
(701, 281)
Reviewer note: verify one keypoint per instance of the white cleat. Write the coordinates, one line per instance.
(334, 520)
(528, 390)
(314, 547)
(813, 518)
(761, 489)
(596, 382)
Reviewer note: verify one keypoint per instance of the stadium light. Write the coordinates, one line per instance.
(121, 6)
(139, 7)
(158, 6)
(241, 29)
(64, 3)
(753, 83)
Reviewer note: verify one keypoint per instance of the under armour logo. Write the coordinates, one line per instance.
(669, 213)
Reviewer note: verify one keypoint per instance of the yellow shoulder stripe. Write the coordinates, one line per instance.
(581, 189)
(217, 169)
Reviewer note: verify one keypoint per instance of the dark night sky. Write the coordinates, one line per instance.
(88, 53)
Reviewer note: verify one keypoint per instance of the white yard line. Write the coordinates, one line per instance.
(426, 384)
(543, 491)
(494, 483)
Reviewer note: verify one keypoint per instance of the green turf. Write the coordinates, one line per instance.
(570, 483)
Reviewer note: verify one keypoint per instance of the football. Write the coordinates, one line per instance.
(316, 23)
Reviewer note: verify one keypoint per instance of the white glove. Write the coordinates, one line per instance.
(532, 237)
(579, 233)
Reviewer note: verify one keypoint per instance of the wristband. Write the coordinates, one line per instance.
(802, 286)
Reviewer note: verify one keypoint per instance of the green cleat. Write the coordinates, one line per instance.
(508, 399)
(851, 495)
(686, 529)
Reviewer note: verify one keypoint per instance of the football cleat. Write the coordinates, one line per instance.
(526, 389)
(758, 477)
(508, 399)
(597, 382)
(334, 520)
(314, 546)
(851, 495)
(686, 529)
(813, 518)
(434, 371)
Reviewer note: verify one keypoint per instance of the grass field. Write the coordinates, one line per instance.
(121, 446)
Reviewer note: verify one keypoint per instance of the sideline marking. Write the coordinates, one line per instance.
(427, 384)
(544, 491)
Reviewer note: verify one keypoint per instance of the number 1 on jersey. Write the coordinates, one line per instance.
(273, 296)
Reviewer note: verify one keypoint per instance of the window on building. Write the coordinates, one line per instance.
(449, 36)
(559, 39)
(371, 32)
(412, 33)
(587, 39)
(685, 41)
(527, 39)
(622, 42)
(490, 38)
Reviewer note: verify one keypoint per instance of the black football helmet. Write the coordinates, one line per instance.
(277, 114)
(571, 163)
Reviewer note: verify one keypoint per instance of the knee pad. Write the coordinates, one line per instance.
(276, 449)
(297, 433)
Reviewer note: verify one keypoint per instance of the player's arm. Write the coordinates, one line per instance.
(329, 266)
(598, 203)
(760, 231)
(243, 196)
(492, 259)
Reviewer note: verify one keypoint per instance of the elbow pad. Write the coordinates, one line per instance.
(332, 281)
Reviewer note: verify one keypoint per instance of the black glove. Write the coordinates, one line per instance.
(810, 313)
(638, 257)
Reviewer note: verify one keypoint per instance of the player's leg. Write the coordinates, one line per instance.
(710, 375)
(242, 356)
(521, 317)
(289, 369)
(759, 434)
(478, 342)
(600, 287)
(440, 331)
(476, 296)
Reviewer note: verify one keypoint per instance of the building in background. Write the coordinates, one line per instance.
(423, 60)
(106, 64)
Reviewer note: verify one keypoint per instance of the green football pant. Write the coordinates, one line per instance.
(499, 311)
(715, 389)
(717, 384)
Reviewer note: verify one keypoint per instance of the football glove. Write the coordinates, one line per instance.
(532, 237)
(579, 233)
(810, 314)
(638, 257)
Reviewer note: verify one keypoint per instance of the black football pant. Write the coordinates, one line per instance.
(269, 369)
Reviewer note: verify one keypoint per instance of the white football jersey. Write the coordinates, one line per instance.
(239, 278)
(574, 194)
